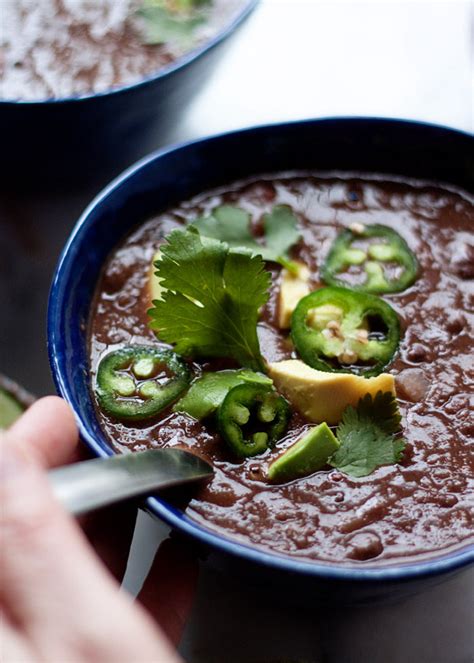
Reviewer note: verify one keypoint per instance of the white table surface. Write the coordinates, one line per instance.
(306, 58)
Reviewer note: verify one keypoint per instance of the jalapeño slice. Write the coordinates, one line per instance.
(375, 251)
(136, 382)
(252, 418)
(341, 330)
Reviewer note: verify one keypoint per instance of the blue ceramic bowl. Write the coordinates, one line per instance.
(177, 173)
(79, 139)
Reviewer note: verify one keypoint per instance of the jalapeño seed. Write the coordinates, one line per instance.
(355, 256)
(375, 275)
(149, 389)
(144, 367)
(266, 412)
(123, 385)
(240, 414)
(260, 438)
(382, 252)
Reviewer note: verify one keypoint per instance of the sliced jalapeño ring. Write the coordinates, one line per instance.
(342, 330)
(375, 251)
(252, 418)
(137, 382)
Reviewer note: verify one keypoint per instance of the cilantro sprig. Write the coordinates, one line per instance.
(212, 296)
(232, 225)
(171, 21)
(367, 436)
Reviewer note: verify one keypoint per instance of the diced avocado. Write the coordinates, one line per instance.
(155, 288)
(323, 396)
(10, 409)
(293, 287)
(208, 391)
(308, 455)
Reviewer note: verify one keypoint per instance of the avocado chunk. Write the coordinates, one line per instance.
(323, 396)
(310, 454)
(293, 287)
(10, 409)
(207, 392)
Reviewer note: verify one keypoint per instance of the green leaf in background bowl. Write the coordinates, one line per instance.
(171, 22)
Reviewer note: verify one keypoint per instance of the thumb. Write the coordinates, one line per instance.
(47, 432)
(53, 586)
(41, 545)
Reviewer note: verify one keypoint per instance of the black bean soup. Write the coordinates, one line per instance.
(418, 507)
(58, 48)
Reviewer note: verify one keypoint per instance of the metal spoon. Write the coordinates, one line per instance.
(92, 484)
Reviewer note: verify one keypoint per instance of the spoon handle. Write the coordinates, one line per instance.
(92, 484)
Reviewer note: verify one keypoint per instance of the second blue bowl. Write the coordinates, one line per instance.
(91, 137)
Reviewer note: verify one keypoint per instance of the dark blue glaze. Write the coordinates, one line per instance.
(356, 144)
(76, 139)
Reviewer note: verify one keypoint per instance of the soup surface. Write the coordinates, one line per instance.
(417, 507)
(58, 48)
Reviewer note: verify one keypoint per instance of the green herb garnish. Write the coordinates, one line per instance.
(232, 225)
(382, 410)
(212, 299)
(367, 436)
(171, 21)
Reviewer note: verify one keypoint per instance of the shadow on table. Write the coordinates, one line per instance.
(235, 624)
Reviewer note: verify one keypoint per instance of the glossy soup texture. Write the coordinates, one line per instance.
(58, 48)
(420, 507)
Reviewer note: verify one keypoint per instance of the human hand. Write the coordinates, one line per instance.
(57, 601)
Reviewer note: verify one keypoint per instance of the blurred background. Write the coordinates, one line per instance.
(292, 59)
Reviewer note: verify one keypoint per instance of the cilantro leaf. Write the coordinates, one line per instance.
(165, 22)
(232, 225)
(383, 410)
(281, 231)
(212, 297)
(228, 224)
(366, 436)
(363, 448)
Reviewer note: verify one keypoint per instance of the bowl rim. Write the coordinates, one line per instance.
(165, 72)
(450, 560)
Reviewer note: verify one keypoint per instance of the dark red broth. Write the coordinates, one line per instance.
(418, 508)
